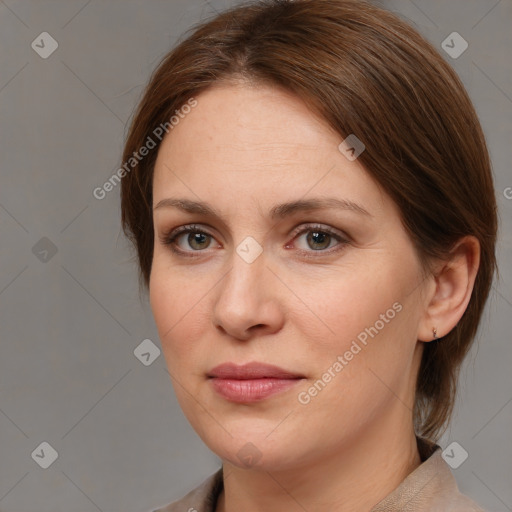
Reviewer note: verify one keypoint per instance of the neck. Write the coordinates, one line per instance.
(355, 477)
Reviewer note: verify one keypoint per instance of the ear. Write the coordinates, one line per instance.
(452, 285)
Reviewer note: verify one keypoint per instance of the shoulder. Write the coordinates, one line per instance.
(431, 487)
(201, 499)
(444, 491)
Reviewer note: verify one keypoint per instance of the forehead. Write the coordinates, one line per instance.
(257, 121)
(241, 141)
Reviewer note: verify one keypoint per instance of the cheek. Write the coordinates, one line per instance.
(365, 318)
(179, 304)
(169, 303)
(346, 303)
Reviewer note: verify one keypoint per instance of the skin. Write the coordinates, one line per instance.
(244, 149)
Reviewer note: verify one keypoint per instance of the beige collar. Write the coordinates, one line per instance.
(431, 487)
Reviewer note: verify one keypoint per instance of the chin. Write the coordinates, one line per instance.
(253, 448)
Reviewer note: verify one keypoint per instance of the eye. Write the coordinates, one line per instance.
(318, 239)
(196, 238)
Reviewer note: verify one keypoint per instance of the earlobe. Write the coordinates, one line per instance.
(454, 283)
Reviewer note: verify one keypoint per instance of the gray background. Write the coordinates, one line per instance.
(70, 321)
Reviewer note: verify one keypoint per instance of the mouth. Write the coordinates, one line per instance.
(251, 382)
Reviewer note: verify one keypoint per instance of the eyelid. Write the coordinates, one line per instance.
(341, 238)
(312, 226)
(168, 238)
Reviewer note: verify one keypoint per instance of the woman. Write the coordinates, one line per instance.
(313, 211)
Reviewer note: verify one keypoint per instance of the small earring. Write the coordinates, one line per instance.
(434, 332)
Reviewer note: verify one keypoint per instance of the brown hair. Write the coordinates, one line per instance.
(368, 73)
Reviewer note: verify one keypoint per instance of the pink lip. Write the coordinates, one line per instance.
(251, 382)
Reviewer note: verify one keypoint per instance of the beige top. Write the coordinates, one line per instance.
(430, 487)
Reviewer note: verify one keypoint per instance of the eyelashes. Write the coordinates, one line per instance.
(170, 238)
(317, 234)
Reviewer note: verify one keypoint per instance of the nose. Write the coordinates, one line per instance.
(248, 302)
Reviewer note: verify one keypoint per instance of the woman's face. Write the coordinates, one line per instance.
(333, 295)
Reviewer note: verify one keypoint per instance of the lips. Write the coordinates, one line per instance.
(251, 371)
(251, 382)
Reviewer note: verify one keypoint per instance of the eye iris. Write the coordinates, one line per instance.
(317, 240)
(318, 237)
(197, 237)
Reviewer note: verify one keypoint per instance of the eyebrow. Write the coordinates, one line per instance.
(278, 211)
